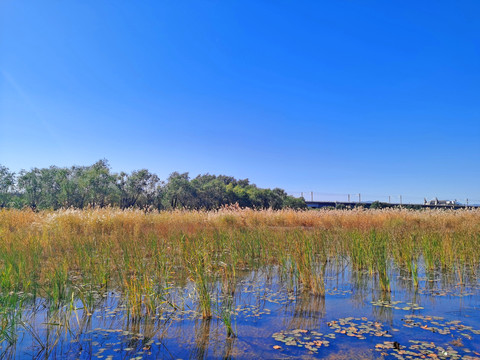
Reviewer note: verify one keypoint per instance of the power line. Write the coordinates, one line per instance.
(362, 197)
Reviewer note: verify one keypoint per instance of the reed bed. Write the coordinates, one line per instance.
(67, 256)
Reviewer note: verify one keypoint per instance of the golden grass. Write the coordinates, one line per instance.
(72, 254)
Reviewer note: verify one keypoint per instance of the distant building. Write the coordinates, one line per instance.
(440, 202)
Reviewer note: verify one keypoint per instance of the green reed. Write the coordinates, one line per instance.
(380, 258)
(226, 304)
(79, 255)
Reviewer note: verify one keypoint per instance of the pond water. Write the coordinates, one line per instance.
(271, 319)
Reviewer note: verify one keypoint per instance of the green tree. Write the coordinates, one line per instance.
(179, 192)
(211, 191)
(138, 188)
(29, 185)
(97, 184)
(7, 185)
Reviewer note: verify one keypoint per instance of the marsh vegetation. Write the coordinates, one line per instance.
(238, 283)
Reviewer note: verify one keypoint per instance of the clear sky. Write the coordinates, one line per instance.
(377, 97)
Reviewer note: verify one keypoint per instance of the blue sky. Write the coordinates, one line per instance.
(376, 97)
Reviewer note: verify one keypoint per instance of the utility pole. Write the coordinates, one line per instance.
(311, 195)
(467, 202)
(400, 199)
(348, 197)
(301, 194)
(389, 199)
(359, 198)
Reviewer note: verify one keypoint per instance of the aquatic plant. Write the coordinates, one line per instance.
(73, 258)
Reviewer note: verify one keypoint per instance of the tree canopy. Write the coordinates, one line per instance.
(97, 186)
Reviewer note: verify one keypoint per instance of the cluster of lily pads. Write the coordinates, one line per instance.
(361, 328)
(395, 305)
(109, 343)
(338, 292)
(447, 292)
(417, 349)
(250, 311)
(310, 340)
(436, 324)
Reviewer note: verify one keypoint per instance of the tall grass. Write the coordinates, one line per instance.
(71, 254)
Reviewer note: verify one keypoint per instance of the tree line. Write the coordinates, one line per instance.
(97, 186)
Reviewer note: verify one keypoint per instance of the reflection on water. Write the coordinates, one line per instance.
(272, 318)
(308, 311)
